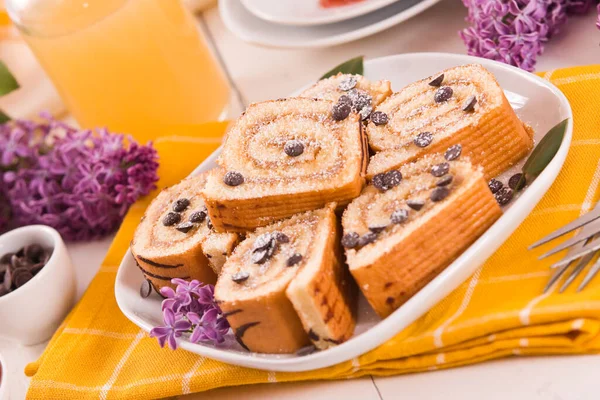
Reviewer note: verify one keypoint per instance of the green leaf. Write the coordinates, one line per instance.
(8, 83)
(545, 150)
(352, 66)
(3, 117)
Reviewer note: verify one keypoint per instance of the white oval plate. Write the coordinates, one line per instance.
(536, 101)
(252, 29)
(309, 12)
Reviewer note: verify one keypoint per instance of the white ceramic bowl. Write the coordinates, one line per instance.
(32, 313)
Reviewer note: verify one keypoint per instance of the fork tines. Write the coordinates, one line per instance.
(583, 247)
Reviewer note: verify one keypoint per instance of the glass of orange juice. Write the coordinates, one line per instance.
(135, 66)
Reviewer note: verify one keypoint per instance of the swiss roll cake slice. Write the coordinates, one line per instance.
(284, 157)
(403, 230)
(174, 239)
(334, 87)
(463, 105)
(285, 286)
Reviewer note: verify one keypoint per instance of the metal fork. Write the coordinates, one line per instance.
(582, 249)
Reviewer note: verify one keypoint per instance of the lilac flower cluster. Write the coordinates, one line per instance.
(79, 182)
(190, 308)
(514, 31)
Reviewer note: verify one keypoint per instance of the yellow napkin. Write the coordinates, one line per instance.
(498, 312)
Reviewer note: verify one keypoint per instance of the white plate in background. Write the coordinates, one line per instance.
(536, 101)
(310, 12)
(252, 29)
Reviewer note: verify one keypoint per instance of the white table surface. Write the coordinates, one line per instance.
(259, 74)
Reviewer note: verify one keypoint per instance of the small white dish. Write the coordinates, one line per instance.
(33, 312)
(252, 29)
(536, 101)
(310, 12)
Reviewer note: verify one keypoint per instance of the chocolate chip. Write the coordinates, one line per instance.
(181, 205)
(440, 170)
(273, 246)
(367, 238)
(423, 139)
(348, 83)
(443, 94)
(340, 111)
(260, 256)
(495, 185)
(281, 237)
(197, 216)
(350, 240)
(185, 227)
(377, 228)
(453, 152)
(345, 99)
(439, 193)
(232, 178)
(379, 118)
(145, 289)
(5, 259)
(209, 223)
(312, 335)
(415, 204)
(293, 148)
(517, 182)
(360, 99)
(171, 219)
(294, 259)
(437, 81)
(306, 350)
(469, 104)
(365, 112)
(240, 277)
(399, 216)
(504, 195)
(34, 253)
(262, 242)
(22, 278)
(445, 180)
(378, 181)
(392, 178)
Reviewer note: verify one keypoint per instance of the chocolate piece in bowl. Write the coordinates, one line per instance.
(18, 268)
(462, 105)
(285, 285)
(390, 265)
(174, 239)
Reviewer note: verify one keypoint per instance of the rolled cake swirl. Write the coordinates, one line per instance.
(285, 285)
(459, 105)
(284, 157)
(403, 230)
(334, 87)
(174, 239)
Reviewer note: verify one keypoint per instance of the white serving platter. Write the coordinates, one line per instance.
(310, 12)
(252, 29)
(536, 101)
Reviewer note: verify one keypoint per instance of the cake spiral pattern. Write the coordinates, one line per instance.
(283, 157)
(284, 286)
(459, 105)
(399, 237)
(175, 240)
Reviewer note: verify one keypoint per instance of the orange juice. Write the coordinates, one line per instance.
(135, 66)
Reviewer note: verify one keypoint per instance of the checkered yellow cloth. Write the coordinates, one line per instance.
(498, 312)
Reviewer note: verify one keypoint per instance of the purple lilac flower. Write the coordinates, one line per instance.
(79, 182)
(514, 31)
(174, 327)
(194, 303)
(598, 20)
